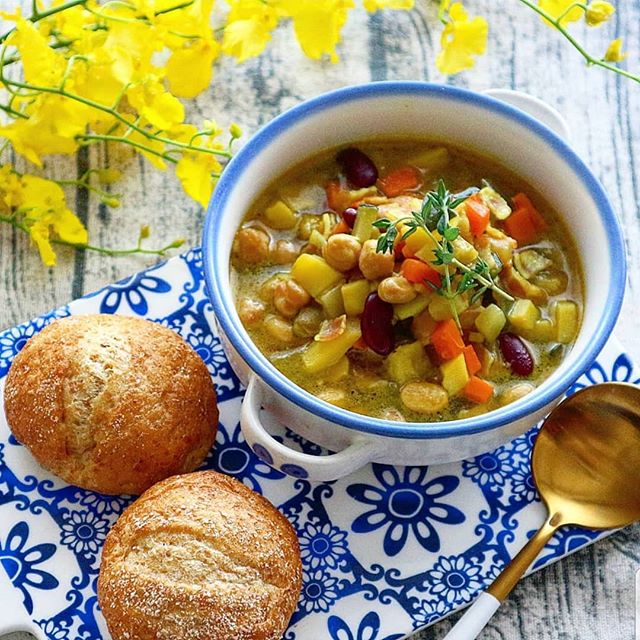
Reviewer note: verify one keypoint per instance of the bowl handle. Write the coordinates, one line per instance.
(294, 463)
(535, 107)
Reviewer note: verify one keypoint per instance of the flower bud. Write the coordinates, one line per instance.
(235, 131)
(598, 12)
(614, 52)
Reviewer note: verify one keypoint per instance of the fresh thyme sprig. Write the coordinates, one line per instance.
(438, 208)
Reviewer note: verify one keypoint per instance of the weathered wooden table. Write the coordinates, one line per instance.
(589, 595)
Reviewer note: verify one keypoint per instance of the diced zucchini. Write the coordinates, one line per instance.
(317, 239)
(331, 301)
(408, 362)
(313, 274)
(566, 321)
(464, 251)
(490, 322)
(440, 307)
(476, 336)
(338, 371)
(496, 203)
(430, 159)
(280, 216)
(523, 314)
(321, 355)
(412, 308)
(454, 374)
(363, 228)
(354, 295)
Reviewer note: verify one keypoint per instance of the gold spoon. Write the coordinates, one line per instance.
(586, 465)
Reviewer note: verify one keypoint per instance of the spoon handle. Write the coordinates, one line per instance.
(476, 618)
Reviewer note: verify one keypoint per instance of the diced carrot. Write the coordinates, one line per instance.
(472, 360)
(400, 180)
(519, 225)
(447, 340)
(478, 390)
(522, 201)
(478, 214)
(338, 198)
(407, 252)
(417, 271)
(341, 227)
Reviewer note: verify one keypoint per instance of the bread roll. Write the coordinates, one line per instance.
(110, 403)
(200, 557)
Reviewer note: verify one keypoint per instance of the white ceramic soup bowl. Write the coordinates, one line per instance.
(396, 110)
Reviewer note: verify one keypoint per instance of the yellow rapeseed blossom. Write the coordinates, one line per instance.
(159, 107)
(614, 51)
(249, 27)
(561, 8)
(463, 38)
(598, 12)
(376, 5)
(189, 69)
(195, 174)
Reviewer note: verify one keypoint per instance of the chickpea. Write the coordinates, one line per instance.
(515, 392)
(375, 265)
(284, 252)
(278, 328)
(424, 397)
(250, 311)
(396, 290)
(289, 297)
(268, 286)
(342, 251)
(251, 245)
(422, 327)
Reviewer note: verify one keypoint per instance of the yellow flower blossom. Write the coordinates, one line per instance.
(462, 39)
(249, 27)
(561, 8)
(318, 25)
(152, 102)
(189, 69)
(195, 174)
(614, 52)
(598, 12)
(375, 5)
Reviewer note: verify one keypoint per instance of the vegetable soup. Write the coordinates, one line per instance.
(408, 281)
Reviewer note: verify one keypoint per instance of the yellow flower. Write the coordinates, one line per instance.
(318, 25)
(375, 5)
(248, 29)
(189, 69)
(156, 105)
(194, 172)
(557, 8)
(614, 52)
(462, 39)
(598, 12)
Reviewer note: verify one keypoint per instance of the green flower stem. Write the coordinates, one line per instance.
(16, 224)
(591, 60)
(96, 137)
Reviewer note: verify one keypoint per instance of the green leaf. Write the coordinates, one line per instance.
(382, 224)
(451, 233)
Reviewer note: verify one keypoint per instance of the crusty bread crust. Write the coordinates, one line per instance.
(200, 557)
(111, 403)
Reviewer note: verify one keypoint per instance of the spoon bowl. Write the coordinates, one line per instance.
(586, 466)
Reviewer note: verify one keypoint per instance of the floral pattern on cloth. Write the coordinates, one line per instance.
(385, 551)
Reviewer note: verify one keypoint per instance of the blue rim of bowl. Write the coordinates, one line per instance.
(214, 265)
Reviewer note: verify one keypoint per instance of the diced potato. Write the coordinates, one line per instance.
(331, 301)
(430, 159)
(313, 274)
(418, 239)
(321, 355)
(440, 307)
(408, 362)
(413, 308)
(523, 315)
(566, 321)
(426, 252)
(354, 295)
(496, 203)
(279, 216)
(490, 322)
(337, 371)
(464, 251)
(454, 374)
(424, 397)
(542, 331)
(302, 197)
(363, 228)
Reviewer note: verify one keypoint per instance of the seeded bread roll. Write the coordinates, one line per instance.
(110, 403)
(200, 557)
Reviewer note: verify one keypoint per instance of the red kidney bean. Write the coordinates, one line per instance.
(349, 216)
(357, 167)
(376, 325)
(516, 354)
